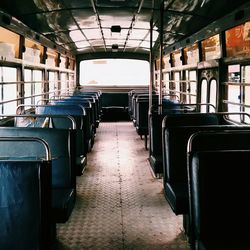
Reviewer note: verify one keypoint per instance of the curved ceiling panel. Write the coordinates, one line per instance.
(97, 25)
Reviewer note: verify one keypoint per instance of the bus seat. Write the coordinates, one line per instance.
(81, 142)
(114, 106)
(88, 119)
(155, 121)
(218, 176)
(175, 140)
(25, 196)
(177, 128)
(63, 172)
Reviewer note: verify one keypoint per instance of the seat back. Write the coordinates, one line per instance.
(219, 186)
(176, 130)
(25, 194)
(59, 141)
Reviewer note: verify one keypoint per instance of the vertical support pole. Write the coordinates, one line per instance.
(151, 58)
(20, 72)
(161, 58)
(45, 86)
(151, 85)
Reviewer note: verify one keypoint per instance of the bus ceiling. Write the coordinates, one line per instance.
(106, 27)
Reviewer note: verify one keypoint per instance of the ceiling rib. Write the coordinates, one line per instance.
(132, 24)
(152, 18)
(99, 23)
(79, 28)
(142, 40)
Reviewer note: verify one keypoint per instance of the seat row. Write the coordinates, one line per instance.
(203, 160)
(64, 129)
(205, 169)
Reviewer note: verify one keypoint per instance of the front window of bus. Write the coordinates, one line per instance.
(114, 72)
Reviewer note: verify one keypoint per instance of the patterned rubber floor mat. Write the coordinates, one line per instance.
(120, 205)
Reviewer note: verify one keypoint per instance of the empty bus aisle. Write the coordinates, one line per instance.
(119, 203)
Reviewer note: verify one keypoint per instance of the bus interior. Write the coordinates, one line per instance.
(124, 124)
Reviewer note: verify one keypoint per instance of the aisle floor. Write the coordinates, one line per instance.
(120, 205)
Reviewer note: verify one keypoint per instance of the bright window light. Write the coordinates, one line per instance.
(114, 72)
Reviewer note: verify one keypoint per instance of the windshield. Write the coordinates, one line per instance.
(114, 72)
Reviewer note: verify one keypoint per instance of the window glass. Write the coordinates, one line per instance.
(71, 64)
(51, 57)
(177, 84)
(192, 85)
(62, 62)
(9, 43)
(52, 83)
(71, 80)
(33, 51)
(191, 54)
(246, 79)
(33, 86)
(166, 61)
(238, 40)
(211, 48)
(114, 72)
(177, 58)
(37, 79)
(64, 83)
(166, 78)
(27, 86)
(234, 90)
(212, 95)
(204, 84)
(8, 91)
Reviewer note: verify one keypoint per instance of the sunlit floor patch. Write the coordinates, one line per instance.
(119, 203)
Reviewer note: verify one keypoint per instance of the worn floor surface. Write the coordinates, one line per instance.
(119, 203)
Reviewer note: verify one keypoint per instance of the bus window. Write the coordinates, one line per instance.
(64, 83)
(51, 57)
(211, 48)
(192, 77)
(191, 54)
(32, 51)
(62, 62)
(71, 81)
(166, 61)
(52, 83)
(212, 94)
(177, 58)
(27, 87)
(204, 86)
(166, 79)
(237, 40)
(114, 72)
(246, 79)
(9, 43)
(8, 89)
(37, 78)
(234, 90)
(33, 86)
(189, 86)
(177, 84)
